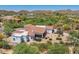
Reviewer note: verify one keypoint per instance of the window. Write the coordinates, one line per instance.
(22, 39)
(14, 39)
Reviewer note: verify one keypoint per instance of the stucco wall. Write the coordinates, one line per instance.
(17, 39)
(49, 31)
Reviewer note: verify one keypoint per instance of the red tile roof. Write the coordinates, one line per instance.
(29, 25)
(49, 27)
(39, 30)
(30, 28)
(33, 29)
(18, 31)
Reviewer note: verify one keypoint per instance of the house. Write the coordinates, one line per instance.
(35, 32)
(11, 18)
(20, 35)
(30, 28)
(30, 15)
(31, 32)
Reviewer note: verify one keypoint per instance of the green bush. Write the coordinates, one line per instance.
(25, 49)
(58, 49)
(42, 46)
(4, 45)
(1, 44)
(66, 27)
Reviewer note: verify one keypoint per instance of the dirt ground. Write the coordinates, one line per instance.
(53, 36)
(5, 51)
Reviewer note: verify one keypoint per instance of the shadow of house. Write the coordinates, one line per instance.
(40, 33)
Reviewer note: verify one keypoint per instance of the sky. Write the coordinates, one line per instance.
(38, 7)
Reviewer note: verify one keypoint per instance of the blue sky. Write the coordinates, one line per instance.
(39, 7)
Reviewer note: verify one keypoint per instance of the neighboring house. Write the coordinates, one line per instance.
(30, 15)
(11, 18)
(19, 36)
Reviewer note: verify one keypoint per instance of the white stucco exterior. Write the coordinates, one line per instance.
(19, 37)
(16, 39)
(55, 30)
(49, 31)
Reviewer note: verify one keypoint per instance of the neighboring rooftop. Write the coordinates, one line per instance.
(10, 18)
